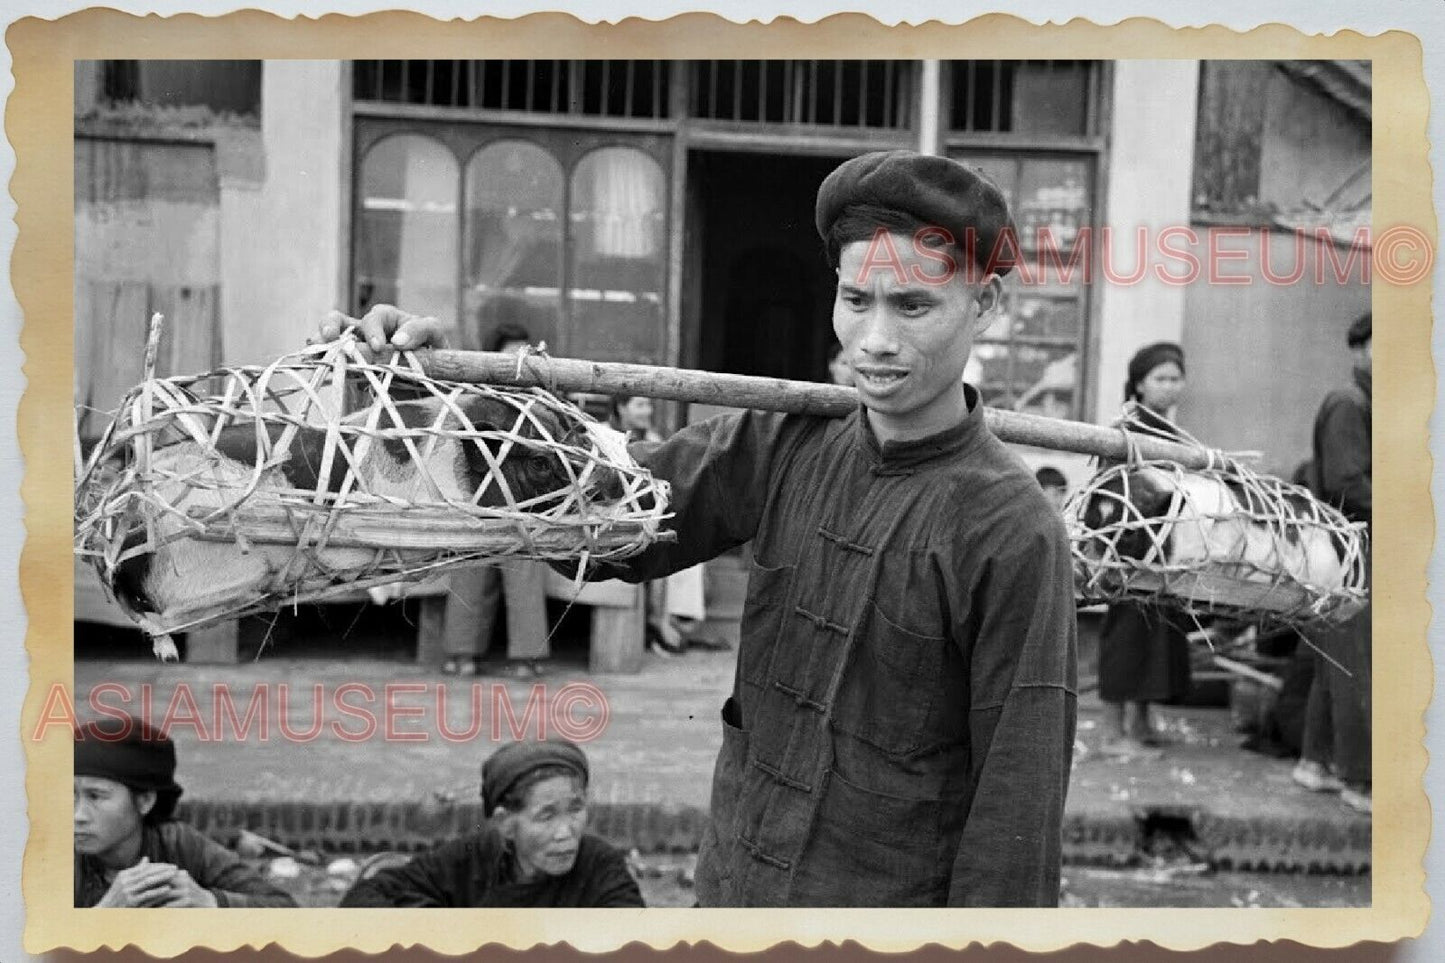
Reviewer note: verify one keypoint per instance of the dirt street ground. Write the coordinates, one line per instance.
(1168, 831)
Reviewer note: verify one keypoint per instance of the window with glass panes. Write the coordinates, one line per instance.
(1034, 127)
(560, 232)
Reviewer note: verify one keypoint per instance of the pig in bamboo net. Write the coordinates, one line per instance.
(1222, 540)
(245, 489)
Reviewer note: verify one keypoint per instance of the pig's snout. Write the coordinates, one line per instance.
(608, 486)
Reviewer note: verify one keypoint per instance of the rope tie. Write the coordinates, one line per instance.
(1132, 456)
(548, 370)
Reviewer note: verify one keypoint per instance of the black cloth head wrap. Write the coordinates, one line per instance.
(1146, 359)
(133, 754)
(512, 762)
(1359, 331)
(936, 191)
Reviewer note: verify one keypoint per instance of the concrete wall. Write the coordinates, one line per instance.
(282, 213)
(1261, 355)
(145, 211)
(1151, 147)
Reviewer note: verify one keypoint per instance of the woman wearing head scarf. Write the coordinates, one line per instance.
(1143, 653)
(129, 852)
(533, 850)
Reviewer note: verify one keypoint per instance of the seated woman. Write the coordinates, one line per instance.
(533, 850)
(128, 850)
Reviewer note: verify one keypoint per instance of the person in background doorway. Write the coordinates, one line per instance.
(675, 605)
(632, 415)
(1054, 484)
(1144, 653)
(478, 593)
(1335, 756)
(129, 851)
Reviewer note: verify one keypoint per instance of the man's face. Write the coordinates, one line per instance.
(547, 832)
(107, 814)
(908, 334)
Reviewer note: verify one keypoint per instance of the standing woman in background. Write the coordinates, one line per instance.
(481, 593)
(1143, 654)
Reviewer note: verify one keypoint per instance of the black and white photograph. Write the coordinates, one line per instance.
(682, 487)
(532, 483)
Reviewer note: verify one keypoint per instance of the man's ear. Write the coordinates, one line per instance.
(145, 801)
(990, 301)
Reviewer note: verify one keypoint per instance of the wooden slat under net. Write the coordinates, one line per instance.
(247, 488)
(1222, 540)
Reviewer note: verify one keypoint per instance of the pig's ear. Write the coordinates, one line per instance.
(1151, 500)
(488, 414)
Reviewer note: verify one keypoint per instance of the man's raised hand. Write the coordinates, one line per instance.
(384, 325)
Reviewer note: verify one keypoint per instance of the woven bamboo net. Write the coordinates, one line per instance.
(389, 499)
(1224, 540)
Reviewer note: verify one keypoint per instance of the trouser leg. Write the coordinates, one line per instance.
(684, 594)
(1350, 702)
(472, 606)
(1318, 741)
(524, 587)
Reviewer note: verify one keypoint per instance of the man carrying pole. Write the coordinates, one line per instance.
(902, 718)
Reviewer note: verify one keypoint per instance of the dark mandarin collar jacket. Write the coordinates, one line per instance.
(902, 720)
(1342, 449)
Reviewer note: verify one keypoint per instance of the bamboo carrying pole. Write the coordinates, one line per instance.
(776, 394)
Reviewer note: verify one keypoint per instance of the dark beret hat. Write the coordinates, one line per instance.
(512, 762)
(131, 753)
(938, 191)
(1360, 330)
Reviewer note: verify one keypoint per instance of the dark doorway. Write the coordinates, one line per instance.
(760, 287)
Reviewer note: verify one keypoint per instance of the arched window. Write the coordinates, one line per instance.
(512, 269)
(406, 227)
(619, 255)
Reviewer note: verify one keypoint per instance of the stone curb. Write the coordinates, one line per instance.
(1102, 837)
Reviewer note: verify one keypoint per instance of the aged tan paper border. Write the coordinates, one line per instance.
(39, 123)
